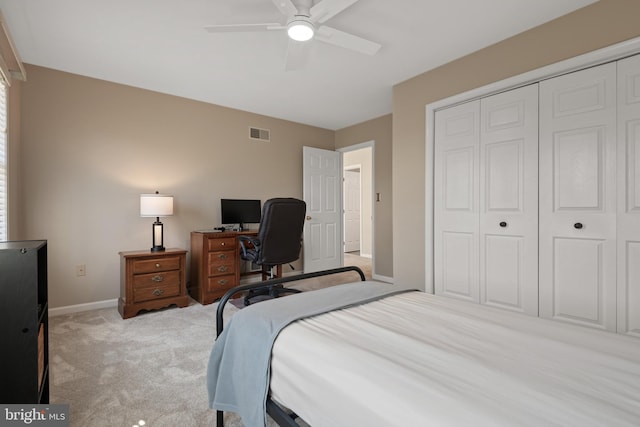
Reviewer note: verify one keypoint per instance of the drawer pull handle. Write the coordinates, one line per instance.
(223, 282)
(222, 256)
(158, 292)
(157, 278)
(223, 268)
(578, 225)
(157, 265)
(503, 224)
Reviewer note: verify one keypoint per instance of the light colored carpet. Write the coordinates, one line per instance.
(115, 372)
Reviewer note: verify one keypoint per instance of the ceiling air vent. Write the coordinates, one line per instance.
(260, 134)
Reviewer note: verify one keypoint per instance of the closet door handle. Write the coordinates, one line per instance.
(503, 224)
(577, 225)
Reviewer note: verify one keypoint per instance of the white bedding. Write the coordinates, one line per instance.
(415, 359)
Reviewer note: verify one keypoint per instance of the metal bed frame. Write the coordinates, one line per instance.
(277, 413)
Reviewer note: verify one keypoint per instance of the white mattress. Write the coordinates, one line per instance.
(415, 359)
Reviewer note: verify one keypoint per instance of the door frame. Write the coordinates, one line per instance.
(596, 57)
(367, 144)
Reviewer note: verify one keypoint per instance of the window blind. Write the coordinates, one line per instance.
(3, 161)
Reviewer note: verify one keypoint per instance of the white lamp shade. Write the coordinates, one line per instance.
(156, 205)
(300, 30)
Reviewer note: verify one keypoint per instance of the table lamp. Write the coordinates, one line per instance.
(156, 205)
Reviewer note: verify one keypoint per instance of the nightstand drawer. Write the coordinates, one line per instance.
(223, 243)
(157, 264)
(221, 282)
(156, 292)
(161, 278)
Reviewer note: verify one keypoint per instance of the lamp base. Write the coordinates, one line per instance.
(158, 236)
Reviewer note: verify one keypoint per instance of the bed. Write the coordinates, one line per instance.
(369, 354)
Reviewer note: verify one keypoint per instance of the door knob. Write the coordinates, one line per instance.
(308, 218)
(577, 225)
(503, 224)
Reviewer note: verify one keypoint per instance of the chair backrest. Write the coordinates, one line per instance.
(280, 231)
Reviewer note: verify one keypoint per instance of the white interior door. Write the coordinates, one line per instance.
(456, 187)
(578, 197)
(628, 226)
(322, 191)
(509, 200)
(352, 202)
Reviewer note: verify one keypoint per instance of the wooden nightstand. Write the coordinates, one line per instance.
(150, 280)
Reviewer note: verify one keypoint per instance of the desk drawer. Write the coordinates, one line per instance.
(161, 278)
(222, 263)
(161, 291)
(157, 264)
(215, 284)
(223, 243)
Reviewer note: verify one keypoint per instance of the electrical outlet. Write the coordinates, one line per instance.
(81, 270)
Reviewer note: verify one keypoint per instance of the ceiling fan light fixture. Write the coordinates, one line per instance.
(300, 29)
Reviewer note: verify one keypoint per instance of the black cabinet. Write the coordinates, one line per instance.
(24, 322)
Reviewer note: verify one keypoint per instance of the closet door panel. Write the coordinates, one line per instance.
(578, 293)
(628, 230)
(456, 201)
(502, 266)
(578, 197)
(509, 200)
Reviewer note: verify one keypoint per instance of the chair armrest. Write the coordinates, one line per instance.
(255, 242)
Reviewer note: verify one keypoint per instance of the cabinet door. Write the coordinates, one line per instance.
(578, 197)
(509, 200)
(456, 201)
(628, 227)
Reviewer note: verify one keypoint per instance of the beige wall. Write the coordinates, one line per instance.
(378, 130)
(601, 24)
(90, 147)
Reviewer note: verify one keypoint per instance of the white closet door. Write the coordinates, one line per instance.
(578, 197)
(629, 195)
(456, 201)
(509, 200)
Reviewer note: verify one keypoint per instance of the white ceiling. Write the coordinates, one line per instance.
(161, 45)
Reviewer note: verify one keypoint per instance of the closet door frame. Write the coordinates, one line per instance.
(597, 57)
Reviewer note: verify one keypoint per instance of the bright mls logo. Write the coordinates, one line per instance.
(35, 415)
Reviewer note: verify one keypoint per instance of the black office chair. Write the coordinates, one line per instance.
(278, 242)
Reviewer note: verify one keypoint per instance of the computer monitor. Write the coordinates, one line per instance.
(240, 211)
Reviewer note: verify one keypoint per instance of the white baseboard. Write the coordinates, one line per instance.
(382, 278)
(77, 308)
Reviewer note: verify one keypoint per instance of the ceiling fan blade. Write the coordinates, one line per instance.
(286, 7)
(346, 40)
(297, 55)
(327, 9)
(229, 28)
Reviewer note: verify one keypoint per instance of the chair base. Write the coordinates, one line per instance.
(271, 292)
(267, 272)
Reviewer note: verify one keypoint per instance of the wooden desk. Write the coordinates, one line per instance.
(215, 263)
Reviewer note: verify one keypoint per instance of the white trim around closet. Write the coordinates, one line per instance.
(596, 57)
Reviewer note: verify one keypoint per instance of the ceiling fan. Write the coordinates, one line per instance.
(305, 22)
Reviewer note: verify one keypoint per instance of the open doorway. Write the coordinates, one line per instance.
(357, 162)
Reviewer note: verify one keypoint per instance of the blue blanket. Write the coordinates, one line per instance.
(239, 365)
